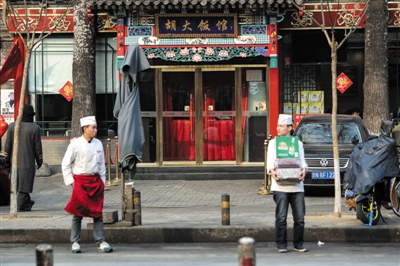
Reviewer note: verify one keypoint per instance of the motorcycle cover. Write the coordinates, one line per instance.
(372, 161)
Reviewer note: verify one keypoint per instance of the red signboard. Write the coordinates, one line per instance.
(47, 20)
(67, 91)
(343, 82)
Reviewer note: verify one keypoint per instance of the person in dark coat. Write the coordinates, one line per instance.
(5, 186)
(29, 151)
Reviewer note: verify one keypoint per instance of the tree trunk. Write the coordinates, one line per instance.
(83, 67)
(338, 195)
(376, 89)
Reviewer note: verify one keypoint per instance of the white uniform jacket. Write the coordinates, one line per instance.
(83, 158)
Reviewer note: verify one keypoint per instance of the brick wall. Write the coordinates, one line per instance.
(54, 150)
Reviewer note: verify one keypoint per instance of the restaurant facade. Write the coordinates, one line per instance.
(221, 72)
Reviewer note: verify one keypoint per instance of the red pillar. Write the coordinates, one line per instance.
(121, 32)
(274, 101)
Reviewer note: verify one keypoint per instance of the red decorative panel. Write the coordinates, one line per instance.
(48, 21)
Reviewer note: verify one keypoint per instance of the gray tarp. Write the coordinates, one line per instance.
(372, 161)
(127, 108)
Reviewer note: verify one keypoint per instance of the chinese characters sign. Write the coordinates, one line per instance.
(343, 82)
(67, 91)
(196, 25)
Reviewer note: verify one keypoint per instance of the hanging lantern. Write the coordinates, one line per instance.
(3, 126)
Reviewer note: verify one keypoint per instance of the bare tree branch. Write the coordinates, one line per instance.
(322, 26)
(354, 27)
(23, 26)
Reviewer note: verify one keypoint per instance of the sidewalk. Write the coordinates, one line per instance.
(188, 211)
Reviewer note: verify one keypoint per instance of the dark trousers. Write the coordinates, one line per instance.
(98, 230)
(23, 200)
(296, 201)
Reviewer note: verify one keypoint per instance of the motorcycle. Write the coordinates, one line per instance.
(372, 179)
(368, 205)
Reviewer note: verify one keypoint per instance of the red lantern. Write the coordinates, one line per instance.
(3, 126)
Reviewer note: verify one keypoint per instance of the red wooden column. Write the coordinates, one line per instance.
(274, 101)
(121, 32)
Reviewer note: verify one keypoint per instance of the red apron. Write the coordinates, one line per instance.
(87, 196)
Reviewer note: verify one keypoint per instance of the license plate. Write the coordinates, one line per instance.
(323, 175)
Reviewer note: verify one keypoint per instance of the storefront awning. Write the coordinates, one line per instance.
(190, 2)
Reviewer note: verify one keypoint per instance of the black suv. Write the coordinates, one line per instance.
(316, 134)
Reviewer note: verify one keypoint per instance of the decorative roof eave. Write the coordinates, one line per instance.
(189, 2)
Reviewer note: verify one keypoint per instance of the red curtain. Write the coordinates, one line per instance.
(178, 142)
(218, 134)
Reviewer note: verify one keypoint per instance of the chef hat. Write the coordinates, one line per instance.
(285, 119)
(88, 120)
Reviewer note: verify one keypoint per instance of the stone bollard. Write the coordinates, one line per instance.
(247, 254)
(225, 207)
(44, 255)
(137, 205)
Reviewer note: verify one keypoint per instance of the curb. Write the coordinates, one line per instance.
(135, 235)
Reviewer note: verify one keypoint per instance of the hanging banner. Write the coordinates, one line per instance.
(67, 91)
(343, 82)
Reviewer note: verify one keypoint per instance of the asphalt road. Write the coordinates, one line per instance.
(351, 254)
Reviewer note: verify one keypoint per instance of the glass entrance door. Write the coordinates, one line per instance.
(200, 109)
(218, 115)
(178, 116)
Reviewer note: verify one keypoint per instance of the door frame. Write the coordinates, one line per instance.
(198, 70)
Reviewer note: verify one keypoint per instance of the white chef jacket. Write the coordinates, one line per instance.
(271, 156)
(83, 158)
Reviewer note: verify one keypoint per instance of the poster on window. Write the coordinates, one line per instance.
(7, 105)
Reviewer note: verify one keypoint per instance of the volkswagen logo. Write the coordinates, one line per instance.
(324, 162)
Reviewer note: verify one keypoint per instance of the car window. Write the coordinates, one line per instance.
(322, 132)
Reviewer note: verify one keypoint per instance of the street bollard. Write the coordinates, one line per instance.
(137, 205)
(108, 155)
(225, 207)
(266, 188)
(116, 157)
(247, 254)
(44, 255)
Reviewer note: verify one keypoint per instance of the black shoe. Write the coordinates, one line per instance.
(26, 209)
(300, 249)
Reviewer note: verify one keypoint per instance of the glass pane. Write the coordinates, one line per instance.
(219, 116)
(322, 133)
(148, 108)
(254, 114)
(178, 117)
